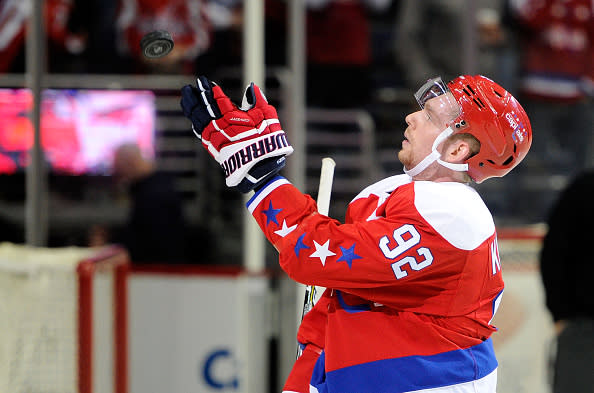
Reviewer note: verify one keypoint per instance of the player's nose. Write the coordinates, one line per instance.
(409, 119)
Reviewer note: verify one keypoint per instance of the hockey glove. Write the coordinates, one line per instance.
(247, 141)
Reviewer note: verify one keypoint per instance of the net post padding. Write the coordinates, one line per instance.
(85, 326)
(111, 258)
(121, 324)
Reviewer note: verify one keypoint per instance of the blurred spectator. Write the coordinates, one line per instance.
(93, 36)
(186, 20)
(338, 48)
(276, 34)
(429, 37)
(339, 55)
(226, 21)
(567, 272)
(557, 69)
(156, 229)
(13, 20)
(14, 15)
(556, 45)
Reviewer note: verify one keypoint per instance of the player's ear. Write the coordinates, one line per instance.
(457, 151)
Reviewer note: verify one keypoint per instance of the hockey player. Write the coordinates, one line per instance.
(413, 276)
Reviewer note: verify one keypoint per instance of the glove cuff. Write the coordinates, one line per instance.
(259, 175)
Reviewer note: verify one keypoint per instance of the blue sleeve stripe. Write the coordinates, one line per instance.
(413, 373)
(272, 184)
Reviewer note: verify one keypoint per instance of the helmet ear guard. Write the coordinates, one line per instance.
(497, 120)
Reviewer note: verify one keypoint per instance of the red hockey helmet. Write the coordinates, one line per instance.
(478, 106)
(494, 117)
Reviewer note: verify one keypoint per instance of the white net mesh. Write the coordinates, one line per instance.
(519, 248)
(38, 319)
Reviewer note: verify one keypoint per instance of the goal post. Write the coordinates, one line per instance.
(63, 318)
(102, 277)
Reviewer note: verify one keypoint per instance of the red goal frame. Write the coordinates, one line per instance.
(116, 259)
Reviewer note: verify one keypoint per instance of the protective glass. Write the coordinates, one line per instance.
(435, 98)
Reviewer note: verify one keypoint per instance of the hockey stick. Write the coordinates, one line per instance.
(312, 292)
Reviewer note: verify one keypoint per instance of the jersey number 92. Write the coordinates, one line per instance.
(406, 237)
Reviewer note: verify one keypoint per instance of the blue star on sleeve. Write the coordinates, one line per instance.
(271, 214)
(348, 255)
(300, 245)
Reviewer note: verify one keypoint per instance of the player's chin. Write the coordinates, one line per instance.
(403, 157)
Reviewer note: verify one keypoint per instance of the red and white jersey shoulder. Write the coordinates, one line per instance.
(417, 261)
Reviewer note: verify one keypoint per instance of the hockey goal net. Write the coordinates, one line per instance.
(519, 247)
(62, 320)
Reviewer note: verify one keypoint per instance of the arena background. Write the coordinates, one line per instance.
(45, 209)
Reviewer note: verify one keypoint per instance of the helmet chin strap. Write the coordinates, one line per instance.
(436, 156)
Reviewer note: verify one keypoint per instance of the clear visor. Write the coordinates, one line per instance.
(436, 99)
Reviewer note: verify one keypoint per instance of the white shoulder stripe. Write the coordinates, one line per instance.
(456, 211)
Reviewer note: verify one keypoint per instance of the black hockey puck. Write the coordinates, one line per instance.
(156, 44)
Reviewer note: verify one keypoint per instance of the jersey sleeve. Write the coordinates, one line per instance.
(315, 249)
(388, 260)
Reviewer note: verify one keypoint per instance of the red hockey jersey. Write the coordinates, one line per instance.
(413, 279)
